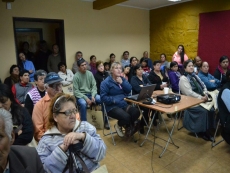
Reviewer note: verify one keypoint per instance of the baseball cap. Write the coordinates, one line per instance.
(52, 77)
(80, 61)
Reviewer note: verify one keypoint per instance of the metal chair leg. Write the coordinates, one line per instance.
(213, 142)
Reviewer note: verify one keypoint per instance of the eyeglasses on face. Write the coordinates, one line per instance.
(68, 113)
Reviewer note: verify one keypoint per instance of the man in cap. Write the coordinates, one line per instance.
(40, 113)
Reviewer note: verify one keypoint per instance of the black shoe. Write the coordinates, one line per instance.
(106, 126)
(142, 130)
(208, 137)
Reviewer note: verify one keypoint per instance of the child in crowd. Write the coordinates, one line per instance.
(106, 66)
(125, 72)
(144, 64)
(174, 76)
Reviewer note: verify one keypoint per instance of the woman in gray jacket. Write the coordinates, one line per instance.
(66, 136)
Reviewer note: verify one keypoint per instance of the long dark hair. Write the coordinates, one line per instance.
(16, 109)
(182, 53)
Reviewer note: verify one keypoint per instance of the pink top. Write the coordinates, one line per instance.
(176, 57)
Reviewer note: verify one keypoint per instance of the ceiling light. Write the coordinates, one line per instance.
(174, 0)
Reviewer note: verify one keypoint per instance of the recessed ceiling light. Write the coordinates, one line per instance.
(174, 0)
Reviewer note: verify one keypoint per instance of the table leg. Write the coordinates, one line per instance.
(170, 134)
(149, 128)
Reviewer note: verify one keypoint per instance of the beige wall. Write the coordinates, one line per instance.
(112, 30)
(179, 24)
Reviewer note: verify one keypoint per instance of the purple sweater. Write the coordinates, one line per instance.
(174, 78)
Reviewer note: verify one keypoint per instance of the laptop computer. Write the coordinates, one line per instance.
(146, 91)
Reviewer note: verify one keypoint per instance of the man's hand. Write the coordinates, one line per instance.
(93, 100)
(88, 101)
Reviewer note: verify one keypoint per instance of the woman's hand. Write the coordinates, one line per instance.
(163, 85)
(73, 137)
(119, 80)
(205, 98)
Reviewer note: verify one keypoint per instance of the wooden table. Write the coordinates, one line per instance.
(185, 102)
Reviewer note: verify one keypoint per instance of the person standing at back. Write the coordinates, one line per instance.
(54, 59)
(41, 58)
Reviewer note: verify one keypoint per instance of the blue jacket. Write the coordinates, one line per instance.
(174, 78)
(28, 65)
(136, 82)
(206, 77)
(113, 94)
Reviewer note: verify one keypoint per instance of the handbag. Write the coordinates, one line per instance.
(95, 116)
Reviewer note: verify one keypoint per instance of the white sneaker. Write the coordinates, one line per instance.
(119, 130)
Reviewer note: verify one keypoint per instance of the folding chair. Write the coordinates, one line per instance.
(110, 129)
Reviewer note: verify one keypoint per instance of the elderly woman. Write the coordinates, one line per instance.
(65, 134)
(196, 119)
(157, 77)
(35, 94)
(113, 91)
(137, 82)
(221, 70)
(210, 81)
(22, 122)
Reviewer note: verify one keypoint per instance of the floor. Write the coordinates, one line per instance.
(193, 155)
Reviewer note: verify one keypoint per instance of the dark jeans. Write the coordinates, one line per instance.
(125, 117)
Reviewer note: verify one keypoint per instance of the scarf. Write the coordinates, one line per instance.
(197, 85)
(221, 70)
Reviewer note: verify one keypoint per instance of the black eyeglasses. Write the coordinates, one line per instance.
(68, 113)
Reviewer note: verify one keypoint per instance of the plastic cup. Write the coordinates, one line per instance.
(195, 69)
(166, 90)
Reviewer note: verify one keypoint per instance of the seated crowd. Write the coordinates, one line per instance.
(40, 109)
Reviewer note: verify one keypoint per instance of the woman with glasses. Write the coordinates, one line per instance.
(22, 123)
(113, 91)
(64, 132)
(221, 70)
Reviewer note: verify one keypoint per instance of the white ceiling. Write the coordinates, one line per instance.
(150, 4)
(147, 4)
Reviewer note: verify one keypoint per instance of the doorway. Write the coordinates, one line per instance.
(35, 30)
